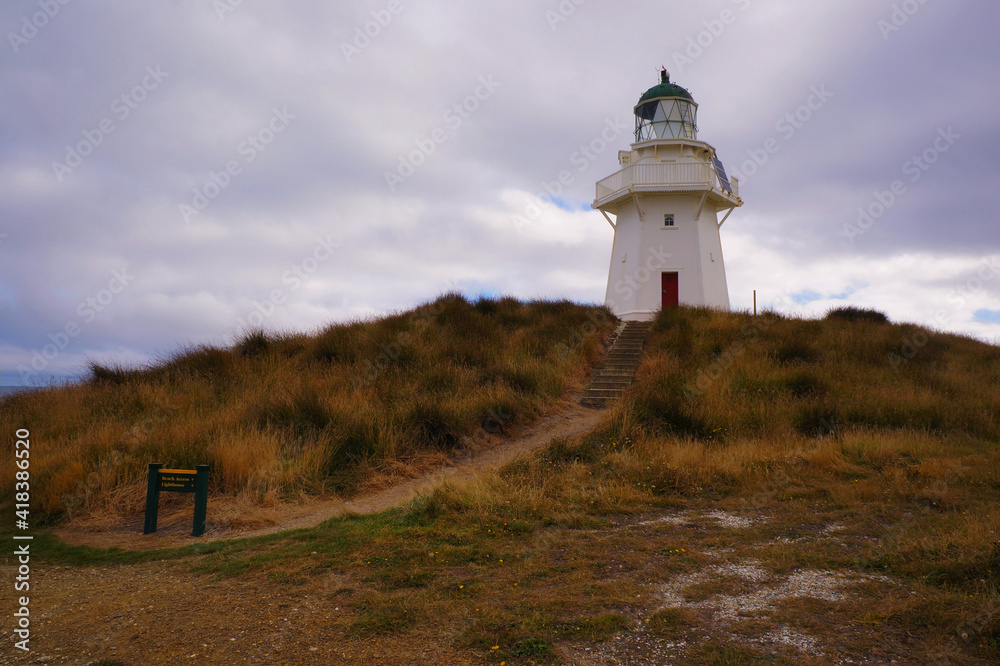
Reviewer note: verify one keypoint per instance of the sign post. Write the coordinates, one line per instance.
(178, 481)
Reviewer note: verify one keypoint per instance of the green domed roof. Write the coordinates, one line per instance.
(665, 89)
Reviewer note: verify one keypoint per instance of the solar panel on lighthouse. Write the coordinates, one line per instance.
(721, 173)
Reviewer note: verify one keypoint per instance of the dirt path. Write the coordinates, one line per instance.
(157, 612)
(492, 452)
(726, 598)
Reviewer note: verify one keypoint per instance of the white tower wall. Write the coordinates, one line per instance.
(644, 249)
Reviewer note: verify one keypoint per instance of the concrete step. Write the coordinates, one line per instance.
(619, 367)
(603, 400)
(609, 385)
(602, 393)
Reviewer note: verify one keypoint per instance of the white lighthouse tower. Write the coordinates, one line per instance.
(666, 201)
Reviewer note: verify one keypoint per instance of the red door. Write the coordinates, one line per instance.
(669, 287)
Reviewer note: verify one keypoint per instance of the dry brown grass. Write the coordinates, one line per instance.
(281, 414)
(803, 426)
(880, 483)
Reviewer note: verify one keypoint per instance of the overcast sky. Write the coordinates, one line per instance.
(173, 171)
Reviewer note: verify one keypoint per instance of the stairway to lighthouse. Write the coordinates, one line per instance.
(619, 366)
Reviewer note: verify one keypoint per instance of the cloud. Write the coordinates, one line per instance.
(559, 84)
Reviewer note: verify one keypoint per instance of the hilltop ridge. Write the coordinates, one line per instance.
(280, 415)
(768, 490)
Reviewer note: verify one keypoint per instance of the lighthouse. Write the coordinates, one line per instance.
(664, 206)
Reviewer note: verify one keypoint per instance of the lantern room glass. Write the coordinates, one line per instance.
(666, 118)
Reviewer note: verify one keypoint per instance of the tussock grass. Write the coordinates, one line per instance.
(844, 459)
(852, 313)
(716, 376)
(798, 424)
(279, 414)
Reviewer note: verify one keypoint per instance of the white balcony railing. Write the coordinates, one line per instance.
(639, 177)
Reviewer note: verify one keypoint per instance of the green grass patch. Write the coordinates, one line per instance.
(378, 615)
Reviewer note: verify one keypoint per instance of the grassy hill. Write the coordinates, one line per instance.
(279, 415)
(769, 490)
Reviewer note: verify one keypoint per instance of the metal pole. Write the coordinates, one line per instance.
(200, 499)
(754, 302)
(152, 498)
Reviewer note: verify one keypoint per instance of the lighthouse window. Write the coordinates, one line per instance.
(668, 220)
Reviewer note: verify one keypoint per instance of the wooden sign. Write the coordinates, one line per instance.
(178, 481)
